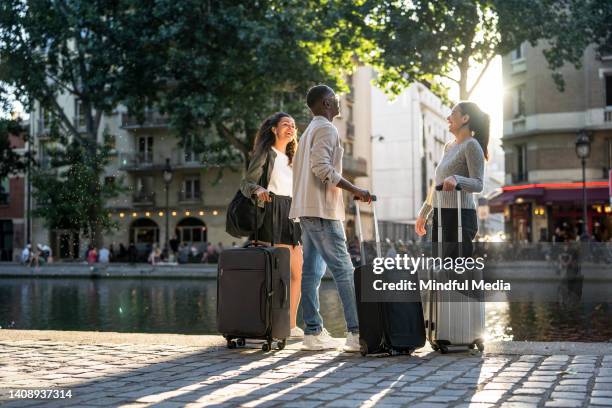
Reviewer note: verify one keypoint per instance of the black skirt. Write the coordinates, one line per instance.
(286, 231)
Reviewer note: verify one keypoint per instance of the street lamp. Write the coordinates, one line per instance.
(583, 150)
(167, 179)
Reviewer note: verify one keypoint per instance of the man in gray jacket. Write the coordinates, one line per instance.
(318, 204)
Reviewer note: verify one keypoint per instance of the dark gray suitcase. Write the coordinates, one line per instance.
(253, 287)
(384, 327)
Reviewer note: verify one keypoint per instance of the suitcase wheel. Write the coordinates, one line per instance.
(363, 347)
(241, 342)
(231, 344)
(434, 347)
(480, 347)
(443, 349)
(266, 347)
(280, 344)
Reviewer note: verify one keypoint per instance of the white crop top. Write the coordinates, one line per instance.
(281, 179)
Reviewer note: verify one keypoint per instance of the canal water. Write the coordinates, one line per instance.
(188, 307)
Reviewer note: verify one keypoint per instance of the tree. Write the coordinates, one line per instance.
(426, 40)
(95, 52)
(573, 28)
(11, 162)
(232, 63)
(69, 193)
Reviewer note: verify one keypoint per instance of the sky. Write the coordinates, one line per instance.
(489, 95)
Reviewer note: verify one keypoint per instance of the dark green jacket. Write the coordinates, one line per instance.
(251, 181)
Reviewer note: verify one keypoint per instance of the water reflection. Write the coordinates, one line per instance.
(189, 307)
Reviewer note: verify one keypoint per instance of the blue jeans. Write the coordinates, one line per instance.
(324, 245)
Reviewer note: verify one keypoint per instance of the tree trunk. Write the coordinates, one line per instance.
(464, 67)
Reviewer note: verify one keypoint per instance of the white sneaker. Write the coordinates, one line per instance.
(321, 341)
(352, 343)
(297, 332)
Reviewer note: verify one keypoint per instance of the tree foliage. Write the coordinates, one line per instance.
(232, 63)
(574, 26)
(69, 192)
(426, 40)
(11, 162)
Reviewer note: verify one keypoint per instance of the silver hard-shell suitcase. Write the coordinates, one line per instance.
(452, 319)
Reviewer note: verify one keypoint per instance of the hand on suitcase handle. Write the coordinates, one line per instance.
(441, 187)
(355, 198)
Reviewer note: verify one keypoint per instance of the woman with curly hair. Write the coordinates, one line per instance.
(270, 171)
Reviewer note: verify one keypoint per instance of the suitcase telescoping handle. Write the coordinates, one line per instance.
(439, 208)
(256, 242)
(360, 231)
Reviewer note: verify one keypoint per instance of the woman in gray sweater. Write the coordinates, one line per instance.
(462, 164)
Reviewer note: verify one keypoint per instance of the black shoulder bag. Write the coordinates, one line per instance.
(243, 216)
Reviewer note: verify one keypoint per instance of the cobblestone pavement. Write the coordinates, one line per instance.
(144, 375)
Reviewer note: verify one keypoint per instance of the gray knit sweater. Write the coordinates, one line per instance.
(465, 161)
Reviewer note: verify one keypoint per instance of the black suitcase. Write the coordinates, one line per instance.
(253, 287)
(385, 327)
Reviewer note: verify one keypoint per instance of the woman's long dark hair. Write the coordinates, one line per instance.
(479, 124)
(264, 140)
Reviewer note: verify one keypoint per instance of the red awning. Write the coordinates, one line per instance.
(554, 193)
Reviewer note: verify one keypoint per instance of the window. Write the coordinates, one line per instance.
(145, 149)
(518, 53)
(79, 115)
(44, 156)
(45, 120)
(143, 184)
(518, 102)
(4, 191)
(521, 157)
(609, 91)
(191, 230)
(109, 181)
(111, 141)
(191, 188)
(189, 148)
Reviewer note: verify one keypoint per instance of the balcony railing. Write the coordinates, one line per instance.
(156, 160)
(4, 198)
(355, 167)
(150, 119)
(143, 198)
(190, 196)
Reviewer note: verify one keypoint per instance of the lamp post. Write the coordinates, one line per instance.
(167, 180)
(583, 150)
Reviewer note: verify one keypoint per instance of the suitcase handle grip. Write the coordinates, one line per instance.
(360, 231)
(439, 187)
(256, 241)
(355, 198)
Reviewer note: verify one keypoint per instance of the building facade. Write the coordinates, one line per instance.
(192, 206)
(408, 138)
(12, 209)
(543, 182)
